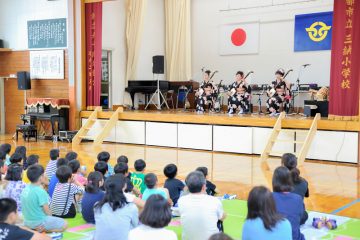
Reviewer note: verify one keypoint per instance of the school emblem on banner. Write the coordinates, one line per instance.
(313, 31)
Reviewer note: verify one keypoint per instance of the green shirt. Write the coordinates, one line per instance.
(33, 198)
(138, 180)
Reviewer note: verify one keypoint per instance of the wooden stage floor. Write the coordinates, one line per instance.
(255, 120)
(334, 188)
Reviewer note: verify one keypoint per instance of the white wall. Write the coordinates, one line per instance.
(14, 15)
(153, 43)
(275, 45)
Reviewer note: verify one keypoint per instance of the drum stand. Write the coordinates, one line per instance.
(159, 97)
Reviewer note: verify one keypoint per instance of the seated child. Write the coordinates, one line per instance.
(15, 185)
(151, 182)
(31, 160)
(8, 219)
(124, 159)
(2, 182)
(35, 204)
(22, 151)
(54, 180)
(75, 167)
(137, 177)
(62, 203)
(92, 195)
(210, 187)
(16, 158)
(51, 166)
(124, 169)
(2, 161)
(6, 148)
(105, 157)
(101, 167)
(71, 156)
(172, 184)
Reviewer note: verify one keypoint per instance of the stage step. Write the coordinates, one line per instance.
(301, 155)
(103, 133)
(279, 153)
(293, 130)
(287, 140)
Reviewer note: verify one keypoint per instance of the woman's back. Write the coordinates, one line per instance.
(115, 224)
(254, 229)
(291, 206)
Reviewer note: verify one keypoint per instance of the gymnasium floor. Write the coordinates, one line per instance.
(334, 188)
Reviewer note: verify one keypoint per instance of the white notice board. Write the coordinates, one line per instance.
(47, 64)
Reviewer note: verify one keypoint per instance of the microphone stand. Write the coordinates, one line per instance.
(302, 67)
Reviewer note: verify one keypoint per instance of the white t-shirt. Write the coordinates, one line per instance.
(199, 215)
(143, 232)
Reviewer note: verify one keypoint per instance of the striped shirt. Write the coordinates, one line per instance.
(51, 168)
(61, 197)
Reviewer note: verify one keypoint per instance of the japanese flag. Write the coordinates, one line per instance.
(239, 39)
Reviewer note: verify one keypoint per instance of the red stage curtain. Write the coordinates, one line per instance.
(93, 26)
(345, 61)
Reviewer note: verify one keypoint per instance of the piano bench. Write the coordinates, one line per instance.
(28, 131)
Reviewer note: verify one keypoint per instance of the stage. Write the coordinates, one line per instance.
(250, 120)
(245, 134)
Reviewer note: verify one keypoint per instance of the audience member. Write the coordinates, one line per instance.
(31, 160)
(199, 212)
(22, 151)
(75, 167)
(71, 156)
(101, 167)
(288, 204)
(51, 166)
(300, 185)
(15, 185)
(2, 182)
(54, 180)
(210, 187)
(137, 177)
(35, 204)
(105, 157)
(114, 215)
(62, 202)
(262, 221)
(8, 219)
(151, 182)
(92, 195)
(6, 148)
(124, 169)
(154, 218)
(172, 184)
(16, 158)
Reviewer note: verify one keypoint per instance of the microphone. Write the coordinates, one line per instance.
(305, 65)
(290, 70)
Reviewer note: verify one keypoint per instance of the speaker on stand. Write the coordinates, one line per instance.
(158, 68)
(24, 83)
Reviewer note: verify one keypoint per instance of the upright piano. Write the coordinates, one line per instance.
(48, 109)
(146, 87)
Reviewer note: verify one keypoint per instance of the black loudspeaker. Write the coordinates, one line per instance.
(158, 64)
(24, 82)
(1, 43)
